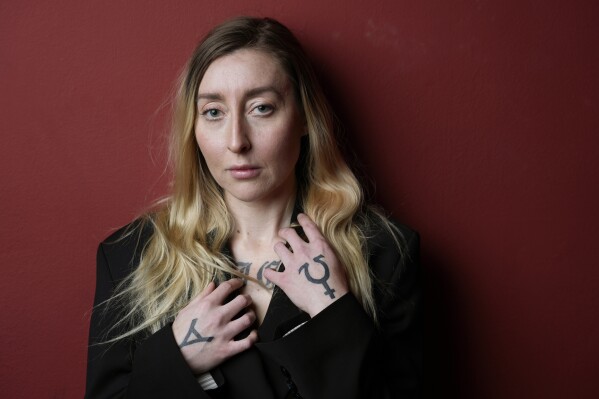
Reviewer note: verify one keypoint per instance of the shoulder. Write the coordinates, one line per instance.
(122, 249)
(390, 234)
(393, 253)
(393, 257)
(389, 245)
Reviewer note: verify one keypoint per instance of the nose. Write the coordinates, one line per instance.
(239, 141)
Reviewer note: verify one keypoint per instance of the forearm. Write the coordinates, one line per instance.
(327, 355)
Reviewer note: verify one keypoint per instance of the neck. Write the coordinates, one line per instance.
(259, 223)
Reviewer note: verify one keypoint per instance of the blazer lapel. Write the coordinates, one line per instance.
(281, 317)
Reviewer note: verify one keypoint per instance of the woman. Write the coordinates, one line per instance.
(263, 275)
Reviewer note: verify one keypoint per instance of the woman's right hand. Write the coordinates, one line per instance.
(205, 328)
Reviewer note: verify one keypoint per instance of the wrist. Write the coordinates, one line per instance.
(318, 306)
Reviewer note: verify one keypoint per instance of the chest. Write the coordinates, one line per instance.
(260, 290)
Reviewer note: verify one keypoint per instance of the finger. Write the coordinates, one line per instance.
(209, 288)
(225, 289)
(205, 292)
(273, 276)
(282, 251)
(234, 306)
(291, 236)
(241, 323)
(310, 228)
(243, 344)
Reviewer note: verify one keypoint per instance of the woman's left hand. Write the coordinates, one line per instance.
(313, 277)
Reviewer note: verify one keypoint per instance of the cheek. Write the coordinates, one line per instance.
(210, 160)
(290, 137)
(207, 147)
(286, 151)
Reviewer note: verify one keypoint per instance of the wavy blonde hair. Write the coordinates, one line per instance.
(191, 227)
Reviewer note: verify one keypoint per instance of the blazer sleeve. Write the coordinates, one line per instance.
(341, 353)
(154, 368)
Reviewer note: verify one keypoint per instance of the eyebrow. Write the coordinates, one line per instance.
(250, 93)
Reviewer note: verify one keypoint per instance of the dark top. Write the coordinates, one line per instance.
(339, 353)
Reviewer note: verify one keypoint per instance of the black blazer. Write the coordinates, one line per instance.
(340, 353)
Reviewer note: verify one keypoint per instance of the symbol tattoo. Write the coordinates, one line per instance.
(274, 264)
(244, 268)
(323, 280)
(197, 337)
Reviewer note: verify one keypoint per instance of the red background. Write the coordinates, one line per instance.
(476, 119)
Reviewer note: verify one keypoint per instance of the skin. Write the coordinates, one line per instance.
(248, 130)
(248, 118)
(309, 296)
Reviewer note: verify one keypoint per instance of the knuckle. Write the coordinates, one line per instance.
(245, 344)
(321, 242)
(252, 338)
(248, 318)
(205, 304)
(217, 318)
(241, 300)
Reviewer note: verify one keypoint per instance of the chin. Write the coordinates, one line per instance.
(247, 195)
(256, 192)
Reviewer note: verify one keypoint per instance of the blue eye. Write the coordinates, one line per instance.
(212, 113)
(264, 109)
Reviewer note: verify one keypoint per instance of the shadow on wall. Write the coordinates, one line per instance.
(444, 348)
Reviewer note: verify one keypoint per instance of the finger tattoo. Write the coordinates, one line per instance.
(323, 280)
(193, 336)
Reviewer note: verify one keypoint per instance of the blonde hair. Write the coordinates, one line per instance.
(191, 227)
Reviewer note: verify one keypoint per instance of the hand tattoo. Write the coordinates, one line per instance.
(323, 280)
(188, 340)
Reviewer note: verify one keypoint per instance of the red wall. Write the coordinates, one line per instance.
(477, 120)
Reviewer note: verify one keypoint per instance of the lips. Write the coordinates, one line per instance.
(243, 172)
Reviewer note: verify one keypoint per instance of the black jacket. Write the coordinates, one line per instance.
(340, 353)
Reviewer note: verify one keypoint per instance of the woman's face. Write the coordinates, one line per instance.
(249, 127)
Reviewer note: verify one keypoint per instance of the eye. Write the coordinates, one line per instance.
(263, 109)
(212, 114)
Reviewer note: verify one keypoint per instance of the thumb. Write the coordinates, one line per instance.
(274, 276)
